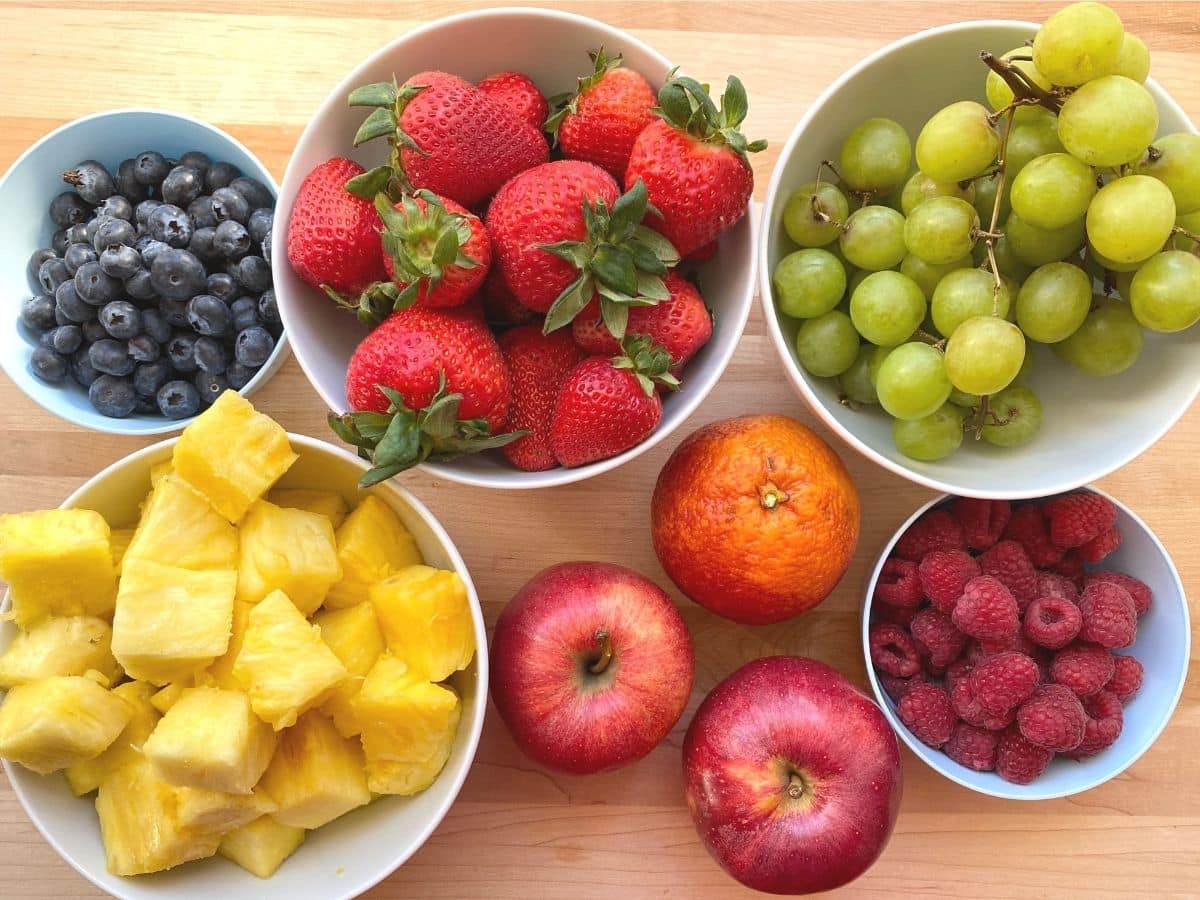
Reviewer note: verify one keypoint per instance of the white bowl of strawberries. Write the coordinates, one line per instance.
(468, 266)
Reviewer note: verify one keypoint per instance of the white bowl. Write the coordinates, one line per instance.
(349, 855)
(25, 193)
(551, 48)
(1116, 419)
(1163, 647)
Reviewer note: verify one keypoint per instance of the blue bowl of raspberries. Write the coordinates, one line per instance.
(138, 271)
(1027, 650)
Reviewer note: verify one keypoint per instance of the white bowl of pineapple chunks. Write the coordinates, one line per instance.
(220, 651)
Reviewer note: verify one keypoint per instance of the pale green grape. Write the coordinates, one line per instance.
(932, 437)
(875, 156)
(985, 198)
(1037, 246)
(1097, 263)
(958, 142)
(857, 382)
(1133, 59)
(1189, 222)
(815, 222)
(1028, 141)
(1165, 292)
(927, 275)
(1108, 122)
(887, 308)
(1006, 260)
(1053, 191)
(827, 345)
(964, 295)
(1053, 302)
(963, 400)
(1078, 43)
(808, 283)
(874, 238)
(999, 94)
(941, 230)
(1015, 415)
(1109, 340)
(859, 276)
(984, 355)
(912, 381)
(1026, 370)
(1177, 165)
(1123, 281)
(920, 187)
(1011, 287)
(1131, 218)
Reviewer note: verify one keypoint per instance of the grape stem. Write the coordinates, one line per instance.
(1190, 235)
(1021, 85)
(992, 234)
(933, 340)
(981, 415)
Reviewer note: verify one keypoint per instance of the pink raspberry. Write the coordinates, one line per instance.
(1084, 668)
(1004, 681)
(1109, 616)
(898, 584)
(897, 687)
(1126, 678)
(894, 615)
(957, 671)
(1052, 622)
(1009, 564)
(1077, 518)
(1100, 546)
(1138, 590)
(893, 651)
(1019, 761)
(967, 707)
(1052, 718)
(937, 636)
(936, 530)
(972, 747)
(1071, 567)
(987, 610)
(944, 574)
(1016, 641)
(1028, 527)
(927, 713)
(982, 521)
(1051, 584)
(1104, 722)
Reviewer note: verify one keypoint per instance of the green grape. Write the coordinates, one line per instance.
(999, 94)
(1165, 292)
(1006, 260)
(1014, 417)
(875, 156)
(932, 437)
(1133, 59)
(887, 308)
(958, 142)
(827, 345)
(1053, 191)
(927, 275)
(857, 382)
(1097, 264)
(1053, 302)
(1189, 222)
(941, 230)
(1037, 246)
(1078, 43)
(876, 362)
(1025, 371)
(1028, 141)
(1177, 165)
(1123, 282)
(859, 276)
(912, 381)
(874, 238)
(964, 295)
(963, 400)
(808, 283)
(985, 198)
(920, 187)
(814, 212)
(1109, 340)
(1131, 218)
(1011, 287)
(984, 355)
(1108, 122)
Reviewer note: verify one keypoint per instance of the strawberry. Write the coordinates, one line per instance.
(500, 308)
(601, 120)
(705, 253)
(537, 363)
(519, 95)
(606, 406)
(693, 160)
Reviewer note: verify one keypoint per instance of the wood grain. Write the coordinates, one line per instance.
(517, 831)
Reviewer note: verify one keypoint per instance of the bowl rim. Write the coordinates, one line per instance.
(481, 660)
(278, 355)
(771, 316)
(1007, 792)
(693, 394)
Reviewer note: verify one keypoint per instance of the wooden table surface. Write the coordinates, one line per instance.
(517, 831)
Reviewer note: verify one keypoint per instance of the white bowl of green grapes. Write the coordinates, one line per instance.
(981, 255)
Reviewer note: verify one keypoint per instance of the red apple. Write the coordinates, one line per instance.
(792, 776)
(591, 666)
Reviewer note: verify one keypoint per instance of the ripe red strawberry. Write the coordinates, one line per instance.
(537, 364)
(705, 253)
(519, 95)
(694, 163)
(500, 308)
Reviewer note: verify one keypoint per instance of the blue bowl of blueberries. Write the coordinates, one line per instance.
(137, 270)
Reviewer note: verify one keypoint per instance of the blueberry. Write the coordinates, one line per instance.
(93, 331)
(230, 204)
(93, 226)
(67, 338)
(36, 259)
(59, 242)
(46, 338)
(94, 286)
(182, 185)
(197, 160)
(178, 400)
(266, 249)
(113, 397)
(256, 193)
(121, 319)
(254, 346)
(60, 318)
(222, 285)
(82, 369)
(210, 355)
(149, 377)
(78, 254)
(37, 312)
(110, 357)
(48, 365)
(73, 307)
(201, 212)
(143, 349)
(254, 273)
(231, 239)
(146, 406)
(239, 375)
(209, 385)
(174, 312)
(139, 287)
(91, 181)
(202, 244)
(141, 214)
(259, 223)
(52, 273)
(171, 225)
(177, 274)
(116, 206)
(268, 309)
(113, 233)
(181, 352)
(150, 249)
(68, 208)
(150, 168)
(219, 175)
(245, 313)
(127, 184)
(155, 325)
(208, 315)
(121, 262)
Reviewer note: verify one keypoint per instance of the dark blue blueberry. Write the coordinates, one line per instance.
(150, 168)
(121, 262)
(46, 338)
(219, 175)
(93, 226)
(210, 355)
(197, 160)
(36, 259)
(59, 242)
(174, 312)
(149, 377)
(91, 181)
(268, 309)
(94, 286)
(143, 348)
(229, 204)
(266, 249)
(155, 326)
(93, 331)
(139, 287)
(60, 317)
(177, 274)
(181, 352)
(209, 315)
(116, 206)
(178, 400)
(171, 225)
(113, 397)
(254, 346)
(67, 338)
(121, 319)
(48, 365)
(202, 244)
(257, 194)
(72, 306)
(209, 385)
(182, 185)
(52, 273)
(78, 254)
(37, 312)
(127, 184)
(68, 208)
(245, 313)
(238, 375)
(231, 239)
(110, 357)
(77, 234)
(150, 249)
(253, 273)
(259, 223)
(201, 212)
(141, 214)
(82, 369)
(146, 406)
(222, 285)
(113, 233)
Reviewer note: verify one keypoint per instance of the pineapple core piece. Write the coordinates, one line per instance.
(215, 812)
(261, 846)
(180, 528)
(86, 775)
(233, 454)
(49, 724)
(329, 504)
(316, 774)
(171, 623)
(426, 620)
(287, 550)
(118, 542)
(284, 665)
(372, 544)
(211, 739)
(61, 646)
(220, 673)
(57, 562)
(353, 635)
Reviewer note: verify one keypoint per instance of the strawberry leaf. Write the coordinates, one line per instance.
(685, 104)
(380, 122)
(382, 93)
(614, 268)
(371, 182)
(615, 316)
(569, 303)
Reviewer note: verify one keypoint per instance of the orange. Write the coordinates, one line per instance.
(755, 518)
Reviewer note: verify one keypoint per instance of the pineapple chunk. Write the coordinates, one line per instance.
(159, 471)
(171, 623)
(372, 544)
(118, 541)
(210, 739)
(287, 550)
(57, 562)
(49, 724)
(220, 673)
(66, 646)
(180, 528)
(426, 619)
(284, 665)
(86, 775)
(215, 812)
(262, 846)
(232, 454)
(316, 774)
(327, 503)
(167, 697)
(353, 635)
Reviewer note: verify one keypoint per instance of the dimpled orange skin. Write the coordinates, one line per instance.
(755, 518)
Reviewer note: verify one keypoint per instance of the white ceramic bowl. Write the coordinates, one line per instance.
(25, 193)
(551, 48)
(1163, 647)
(349, 855)
(1116, 419)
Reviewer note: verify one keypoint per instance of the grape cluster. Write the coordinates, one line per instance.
(1057, 216)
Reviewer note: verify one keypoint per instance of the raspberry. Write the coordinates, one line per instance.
(957, 671)
(944, 574)
(1018, 641)
(1018, 760)
(972, 747)
(1009, 564)
(927, 713)
(1126, 679)
(893, 651)
(1052, 718)
(1104, 722)
(987, 610)
(936, 635)
(936, 530)
(1070, 566)
(982, 521)
(1029, 529)
(1109, 616)
(1004, 681)
(1052, 622)
(1051, 584)
(898, 584)
(897, 687)
(966, 706)
(1138, 590)
(895, 615)
(1100, 546)
(1077, 518)
(1083, 668)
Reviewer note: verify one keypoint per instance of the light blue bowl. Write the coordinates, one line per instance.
(25, 193)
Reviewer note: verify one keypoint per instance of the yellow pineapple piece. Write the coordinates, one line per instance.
(327, 503)
(211, 739)
(316, 774)
(180, 528)
(220, 673)
(60, 646)
(261, 846)
(353, 635)
(118, 542)
(287, 550)
(57, 562)
(372, 544)
(168, 697)
(216, 812)
(86, 775)
(159, 471)
(426, 620)
(284, 665)
(47, 725)
(233, 454)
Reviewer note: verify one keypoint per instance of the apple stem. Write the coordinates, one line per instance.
(795, 788)
(606, 653)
